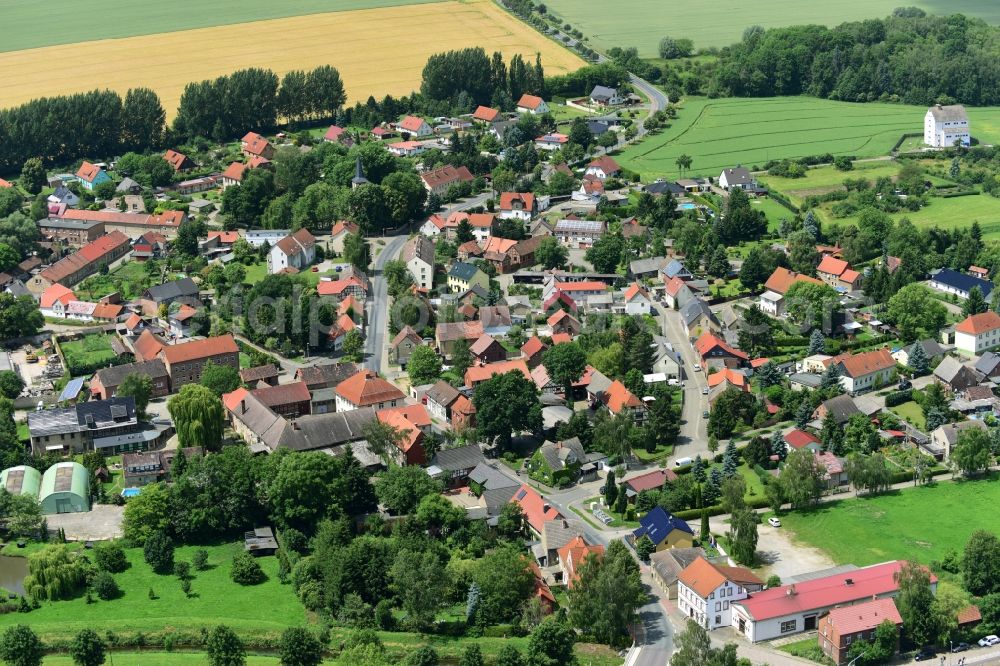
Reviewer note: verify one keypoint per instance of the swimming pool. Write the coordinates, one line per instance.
(687, 206)
(131, 492)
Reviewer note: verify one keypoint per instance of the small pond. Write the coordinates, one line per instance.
(12, 573)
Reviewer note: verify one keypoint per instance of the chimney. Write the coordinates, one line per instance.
(243, 406)
(295, 425)
(848, 582)
(790, 592)
(546, 507)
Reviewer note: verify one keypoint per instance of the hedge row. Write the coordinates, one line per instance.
(717, 510)
(898, 397)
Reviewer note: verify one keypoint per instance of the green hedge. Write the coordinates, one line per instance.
(898, 397)
(717, 510)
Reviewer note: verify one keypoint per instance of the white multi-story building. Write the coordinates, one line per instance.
(418, 254)
(944, 125)
(706, 591)
(978, 333)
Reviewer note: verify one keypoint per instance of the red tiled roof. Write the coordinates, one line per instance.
(634, 290)
(832, 266)
(344, 225)
(859, 365)
(969, 615)
(617, 398)
(235, 171)
(584, 285)
(979, 323)
(864, 616)
(337, 287)
(411, 123)
(482, 220)
(651, 480)
(56, 293)
(674, 286)
(850, 276)
(536, 510)
(367, 388)
(88, 171)
(480, 373)
(254, 143)
(825, 592)
(782, 279)
(147, 346)
(175, 159)
(704, 578)
(573, 554)
(709, 341)
(5, 184)
(532, 346)
(225, 237)
(798, 439)
(727, 375)
(107, 311)
(507, 200)
(200, 349)
(232, 400)
(446, 175)
(333, 133)
(605, 164)
(296, 243)
(415, 414)
(133, 321)
(486, 114)
(86, 255)
(560, 338)
(399, 421)
(529, 101)
(169, 218)
(558, 316)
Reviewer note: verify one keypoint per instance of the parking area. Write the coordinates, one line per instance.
(103, 522)
(784, 558)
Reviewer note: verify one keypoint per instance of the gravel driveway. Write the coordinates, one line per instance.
(784, 558)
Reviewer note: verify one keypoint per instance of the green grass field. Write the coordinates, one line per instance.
(88, 351)
(29, 25)
(921, 523)
(946, 213)
(642, 23)
(720, 133)
(266, 608)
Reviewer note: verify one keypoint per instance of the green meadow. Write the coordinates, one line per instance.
(720, 133)
(28, 25)
(642, 23)
(920, 524)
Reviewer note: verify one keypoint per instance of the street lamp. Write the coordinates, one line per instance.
(852, 661)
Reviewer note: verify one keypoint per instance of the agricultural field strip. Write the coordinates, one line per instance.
(29, 25)
(398, 35)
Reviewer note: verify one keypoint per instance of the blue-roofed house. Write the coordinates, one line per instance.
(960, 284)
(665, 530)
(675, 269)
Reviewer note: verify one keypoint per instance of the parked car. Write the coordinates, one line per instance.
(704, 391)
(960, 647)
(697, 367)
(925, 653)
(704, 414)
(773, 522)
(987, 641)
(905, 384)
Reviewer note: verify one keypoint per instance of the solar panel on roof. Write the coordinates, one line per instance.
(64, 479)
(521, 494)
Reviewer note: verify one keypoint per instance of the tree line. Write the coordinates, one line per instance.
(65, 128)
(908, 57)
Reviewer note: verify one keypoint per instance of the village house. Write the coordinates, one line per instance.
(532, 104)
(952, 282)
(478, 374)
(366, 389)
(551, 141)
(234, 174)
(945, 437)
(446, 334)
(738, 177)
(699, 319)
(462, 277)
(254, 145)
(454, 465)
(287, 400)
(507, 256)
(605, 96)
(796, 439)
(406, 148)
(132, 225)
(637, 300)
(351, 283)
(954, 375)
(296, 251)
(675, 268)
(573, 555)
(403, 345)
(183, 291)
(91, 175)
(705, 591)
(796, 607)
(865, 371)
(339, 233)
(439, 180)
(486, 115)
(978, 333)
(715, 352)
(619, 400)
(85, 426)
(487, 349)
(932, 349)
(665, 567)
(563, 322)
(72, 233)
(537, 511)
(55, 300)
(418, 255)
(338, 135)
(259, 375)
(946, 126)
(150, 245)
(579, 234)
(415, 126)
(83, 263)
(838, 274)
(655, 480)
(142, 468)
(325, 375)
(185, 361)
(843, 626)
(178, 161)
(602, 168)
(664, 529)
(772, 301)
(518, 205)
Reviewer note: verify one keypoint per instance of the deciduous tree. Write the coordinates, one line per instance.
(199, 416)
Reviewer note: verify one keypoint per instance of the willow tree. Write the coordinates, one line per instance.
(55, 573)
(198, 416)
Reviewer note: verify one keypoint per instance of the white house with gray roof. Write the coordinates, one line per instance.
(946, 125)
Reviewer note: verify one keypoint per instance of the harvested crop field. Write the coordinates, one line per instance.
(378, 52)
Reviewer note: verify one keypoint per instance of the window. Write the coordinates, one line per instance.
(788, 626)
(725, 605)
(718, 619)
(848, 640)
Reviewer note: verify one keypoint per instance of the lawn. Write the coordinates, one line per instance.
(911, 413)
(257, 272)
(642, 23)
(945, 213)
(827, 178)
(91, 351)
(774, 211)
(377, 51)
(262, 609)
(720, 133)
(130, 280)
(921, 523)
(807, 648)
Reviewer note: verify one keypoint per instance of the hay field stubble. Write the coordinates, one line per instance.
(378, 52)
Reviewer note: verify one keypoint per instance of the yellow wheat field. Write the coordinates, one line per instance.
(378, 52)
